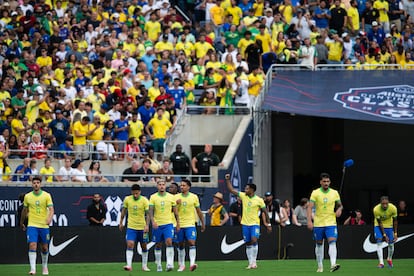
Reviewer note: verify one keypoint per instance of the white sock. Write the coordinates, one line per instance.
(390, 251)
(32, 260)
(144, 258)
(249, 253)
(45, 257)
(157, 253)
(181, 256)
(129, 254)
(192, 252)
(379, 253)
(170, 256)
(319, 254)
(332, 253)
(255, 250)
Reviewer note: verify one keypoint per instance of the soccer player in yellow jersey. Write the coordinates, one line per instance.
(325, 200)
(385, 229)
(250, 221)
(136, 206)
(38, 207)
(160, 206)
(188, 204)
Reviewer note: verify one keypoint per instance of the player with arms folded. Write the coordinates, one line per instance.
(160, 206)
(188, 204)
(326, 201)
(385, 229)
(137, 207)
(38, 206)
(250, 221)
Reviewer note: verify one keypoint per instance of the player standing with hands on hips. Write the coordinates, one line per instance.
(250, 221)
(38, 206)
(326, 201)
(385, 229)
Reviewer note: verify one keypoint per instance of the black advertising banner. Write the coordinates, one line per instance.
(107, 244)
(381, 96)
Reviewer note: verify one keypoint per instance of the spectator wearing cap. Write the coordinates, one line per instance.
(59, 127)
(157, 129)
(103, 113)
(322, 15)
(217, 212)
(163, 45)
(81, 130)
(376, 33)
(78, 174)
(127, 79)
(369, 15)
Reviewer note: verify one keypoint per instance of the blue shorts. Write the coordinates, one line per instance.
(250, 231)
(35, 234)
(187, 234)
(136, 235)
(388, 231)
(163, 232)
(325, 232)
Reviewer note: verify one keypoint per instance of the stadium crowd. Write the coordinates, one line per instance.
(110, 76)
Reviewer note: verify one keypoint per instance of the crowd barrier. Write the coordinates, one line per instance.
(107, 244)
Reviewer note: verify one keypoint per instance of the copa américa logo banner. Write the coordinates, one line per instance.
(388, 102)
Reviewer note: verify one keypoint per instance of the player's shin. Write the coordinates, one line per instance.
(319, 254)
(144, 258)
(249, 253)
(192, 252)
(157, 253)
(170, 256)
(380, 254)
(255, 250)
(390, 251)
(129, 254)
(332, 252)
(181, 256)
(32, 260)
(45, 257)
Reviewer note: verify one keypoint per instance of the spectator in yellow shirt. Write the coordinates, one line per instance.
(44, 60)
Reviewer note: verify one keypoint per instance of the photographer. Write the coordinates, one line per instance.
(355, 218)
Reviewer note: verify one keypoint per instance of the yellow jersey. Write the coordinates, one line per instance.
(135, 128)
(137, 210)
(83, 130)
(186, 209)
(385, 216)
(159, 127)
(163, 205)
(153, 29)
(325, 202)
(251, 207)
(48, 172)
(38, 208)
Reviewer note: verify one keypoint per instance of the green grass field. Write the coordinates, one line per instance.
(229, 268)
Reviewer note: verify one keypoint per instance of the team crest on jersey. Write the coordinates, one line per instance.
(184, 203)
(37, 202)
(390, 102)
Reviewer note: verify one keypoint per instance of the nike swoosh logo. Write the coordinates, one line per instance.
(228, 248)
(55, 249)
(371, 247)
(149, 245)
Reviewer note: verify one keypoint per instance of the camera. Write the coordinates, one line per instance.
(352, 214)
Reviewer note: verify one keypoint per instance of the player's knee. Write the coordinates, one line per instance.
(319, 243)
(332, 241)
